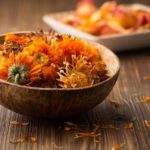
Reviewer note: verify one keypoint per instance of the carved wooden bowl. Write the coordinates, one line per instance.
(57, 102)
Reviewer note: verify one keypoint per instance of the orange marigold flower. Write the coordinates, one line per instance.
(19, 68)
(68, 46)
(49, 72)
(5, 63)
(39, 46)
(70, 78)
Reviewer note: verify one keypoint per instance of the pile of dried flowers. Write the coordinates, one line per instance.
(109, 18)
(50, 60)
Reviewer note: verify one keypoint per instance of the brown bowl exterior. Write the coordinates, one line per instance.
(54, 103)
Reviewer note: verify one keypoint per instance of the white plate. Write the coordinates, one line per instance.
(117, 42)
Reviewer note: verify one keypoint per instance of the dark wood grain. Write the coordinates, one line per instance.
(18, 15)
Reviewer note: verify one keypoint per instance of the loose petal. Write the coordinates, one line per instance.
(147, 123)
(118, 147)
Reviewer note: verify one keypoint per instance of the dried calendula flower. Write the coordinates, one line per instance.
(118, 147)
(144, 100)
(147, 123)
(17, 74)
(33, 139)
(19, 140)
(130, 125)
(115, 103)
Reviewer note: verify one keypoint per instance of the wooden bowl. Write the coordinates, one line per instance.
(58, 102)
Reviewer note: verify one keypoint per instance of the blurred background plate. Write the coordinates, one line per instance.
(117, 42)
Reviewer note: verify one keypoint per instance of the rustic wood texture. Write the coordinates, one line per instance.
(18, 15)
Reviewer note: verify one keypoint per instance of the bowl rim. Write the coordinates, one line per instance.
(63, 89)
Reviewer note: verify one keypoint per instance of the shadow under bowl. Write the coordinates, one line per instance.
(57, 102)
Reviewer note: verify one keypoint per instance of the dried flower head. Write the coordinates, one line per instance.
(18, 74)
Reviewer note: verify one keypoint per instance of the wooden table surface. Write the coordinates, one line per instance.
(18, 15)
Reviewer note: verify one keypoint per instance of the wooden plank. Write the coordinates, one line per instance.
(49, 132)
(26, 15)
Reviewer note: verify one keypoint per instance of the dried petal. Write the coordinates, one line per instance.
(71, 124)
(147, 77)
(19, 123)
(56, 146)
(147, 123)
(19, 140)
(77, 136)
(67, 128)
(14, 122)
(95, 130)
(118, 147)
(33, 139)
(144, 100)
(86, 134)
(96, 141)
(24, 123)
(115, 103)
(130, 125)
(109, 126)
